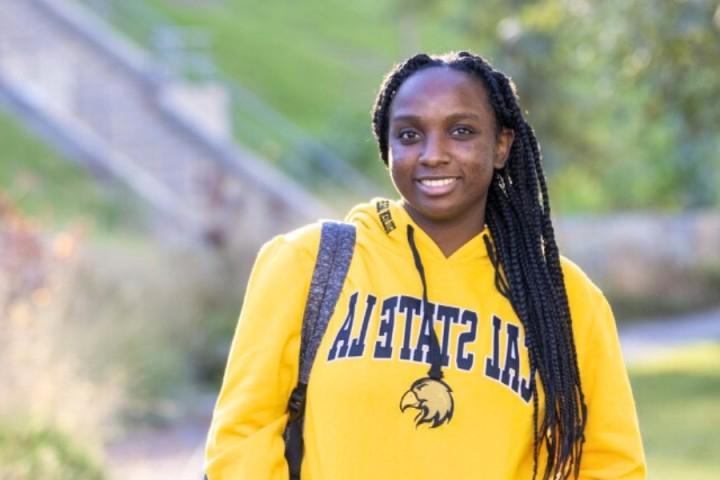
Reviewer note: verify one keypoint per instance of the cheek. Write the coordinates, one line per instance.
(399, 163)
(399, 173)
(397, 151)
(480, 166)
(401, 176)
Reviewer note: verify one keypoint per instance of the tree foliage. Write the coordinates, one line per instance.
(623, 94)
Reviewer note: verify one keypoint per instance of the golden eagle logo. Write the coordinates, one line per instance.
(432, 398)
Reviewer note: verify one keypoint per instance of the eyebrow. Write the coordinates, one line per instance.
(453, 116)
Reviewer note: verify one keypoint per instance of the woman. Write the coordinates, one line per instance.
(463, 275)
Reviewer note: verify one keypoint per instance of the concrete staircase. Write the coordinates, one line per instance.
(108, 106)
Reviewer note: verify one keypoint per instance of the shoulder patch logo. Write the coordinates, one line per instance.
(383, 208)
(432, 398)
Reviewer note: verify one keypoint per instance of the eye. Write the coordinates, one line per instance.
(407, 135)
(462, 131)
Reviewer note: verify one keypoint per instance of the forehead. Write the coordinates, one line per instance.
(439, 89)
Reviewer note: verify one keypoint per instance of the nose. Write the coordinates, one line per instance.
(434, 151)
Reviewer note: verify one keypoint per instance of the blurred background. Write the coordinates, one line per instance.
(149, 147)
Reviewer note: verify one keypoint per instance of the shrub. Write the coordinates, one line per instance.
(43, 453)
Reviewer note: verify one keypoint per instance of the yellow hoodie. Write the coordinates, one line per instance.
(371, 411)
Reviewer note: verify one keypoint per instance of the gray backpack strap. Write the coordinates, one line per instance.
(337, 243)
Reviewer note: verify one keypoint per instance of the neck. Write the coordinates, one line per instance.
(450, 235)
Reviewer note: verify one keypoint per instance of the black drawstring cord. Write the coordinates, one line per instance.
(435, 371)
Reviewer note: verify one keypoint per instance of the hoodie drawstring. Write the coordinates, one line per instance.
(435, 371)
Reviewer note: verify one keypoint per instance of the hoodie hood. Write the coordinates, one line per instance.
(386, 221)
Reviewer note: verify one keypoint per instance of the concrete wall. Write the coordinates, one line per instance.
(111, 108)
(642, 254)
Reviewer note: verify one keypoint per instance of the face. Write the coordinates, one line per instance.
(444, 146)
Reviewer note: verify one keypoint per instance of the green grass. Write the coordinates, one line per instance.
(43, 185)
(318, 62)
(678, 401)
(315, 60)
(28, 453)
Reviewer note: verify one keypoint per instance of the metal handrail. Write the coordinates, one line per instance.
(184, 51)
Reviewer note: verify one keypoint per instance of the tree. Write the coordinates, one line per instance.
(622, 93)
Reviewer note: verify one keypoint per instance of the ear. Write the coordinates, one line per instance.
(502, 147)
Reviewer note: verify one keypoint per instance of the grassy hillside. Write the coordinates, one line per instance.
(614, 128)
(45, 186)
(318, 62)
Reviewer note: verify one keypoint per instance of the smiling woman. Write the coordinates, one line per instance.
(445, 146)
(461, 276)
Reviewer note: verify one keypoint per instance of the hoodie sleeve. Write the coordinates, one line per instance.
(245, 437)
(613, 446)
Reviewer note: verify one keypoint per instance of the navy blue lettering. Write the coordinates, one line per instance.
(342, 340)
(410, 307)
(492, 364)
(357, 347)
(465, 361)
(512, 358)
(424, 342)
(383, 347)
(448, 315)
(525, 391)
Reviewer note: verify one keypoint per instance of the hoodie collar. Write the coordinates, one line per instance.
(389, 218)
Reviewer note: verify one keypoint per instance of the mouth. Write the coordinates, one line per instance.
(437, 186)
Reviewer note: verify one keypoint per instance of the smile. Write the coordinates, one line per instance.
(437, 186)
(436, 182)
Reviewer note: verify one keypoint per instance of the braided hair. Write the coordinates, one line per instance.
(526, 259)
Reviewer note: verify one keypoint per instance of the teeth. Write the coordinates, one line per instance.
(439, 182)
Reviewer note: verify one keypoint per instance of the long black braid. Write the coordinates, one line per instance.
(526, 259)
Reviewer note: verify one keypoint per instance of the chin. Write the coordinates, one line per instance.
(437, 213)
(444, 209)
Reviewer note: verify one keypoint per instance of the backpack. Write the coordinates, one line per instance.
(337, 243)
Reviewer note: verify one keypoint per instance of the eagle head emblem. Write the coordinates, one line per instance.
(433, 400)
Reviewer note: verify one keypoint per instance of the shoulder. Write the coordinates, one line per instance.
(593, 322)
(298, 247)
(586, 300)
(576, 280)
(301, 243)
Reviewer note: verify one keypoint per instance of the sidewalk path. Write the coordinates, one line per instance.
(646, 339)
(174, 452)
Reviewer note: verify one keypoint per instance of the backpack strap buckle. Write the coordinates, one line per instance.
(296, 404)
